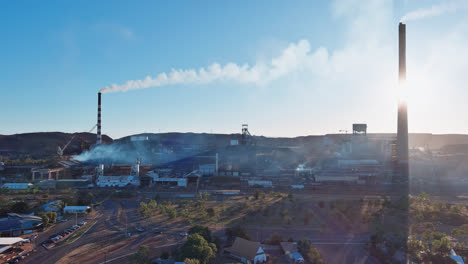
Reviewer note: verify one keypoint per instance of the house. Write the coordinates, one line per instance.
(17, 186)
(290, 250)
(75, 209)
(19, 224)
(247, 251)
(53, 206)
(455, 257)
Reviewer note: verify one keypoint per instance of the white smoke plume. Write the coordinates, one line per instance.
(293, 58)
(434, 10)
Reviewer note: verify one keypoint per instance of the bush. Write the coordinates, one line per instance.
(203, 231)
(237, 231)
(275, 239)
(198, 248)
(141, 257)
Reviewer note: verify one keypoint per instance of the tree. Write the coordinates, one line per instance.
(275, 239)
(237, 231)
(414, 250)
(311, 254)
(441, 246)
(258, 194)
(198, 248)
(141, 257)
(462, 231)
(191, 261)
(52, 217)
(45, 220)
(211, 212)
(20, 208)
(144, 210)
(203, 231)
(152, 204)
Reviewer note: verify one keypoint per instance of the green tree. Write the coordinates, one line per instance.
(211, 212)
(313, 256)
(415, 247)
(152, 204)
(203, 231)
(144, 209)
(45, 220)
(52, 216)
(141, 257)
(237, 231)
(198, 248)
(441, 246)
(462, 231)
(275, 239)
(191, 261)
(310, 253)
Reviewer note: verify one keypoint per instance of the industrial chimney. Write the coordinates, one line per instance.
(402, 134)
(99, 139)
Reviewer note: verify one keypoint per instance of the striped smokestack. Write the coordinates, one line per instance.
(402, 134)
(99, 139)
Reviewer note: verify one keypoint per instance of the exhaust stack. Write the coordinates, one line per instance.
(402, 134)
(99, 139)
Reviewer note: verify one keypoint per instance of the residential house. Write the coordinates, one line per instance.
(247, 251)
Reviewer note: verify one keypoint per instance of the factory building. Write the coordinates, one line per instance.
(17, 186)
(75, 209)
(119, 180)
(18, 224)
(207, 169)
(168, 177)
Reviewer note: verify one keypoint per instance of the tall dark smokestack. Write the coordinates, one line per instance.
(99, 139)
(402, 134)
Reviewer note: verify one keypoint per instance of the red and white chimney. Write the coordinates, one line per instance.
(99, 139)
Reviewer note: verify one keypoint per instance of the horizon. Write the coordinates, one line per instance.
(254, 135)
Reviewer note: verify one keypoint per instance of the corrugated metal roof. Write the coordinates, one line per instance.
(78, 208)
(8, 241)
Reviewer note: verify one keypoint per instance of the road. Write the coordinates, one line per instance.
(108, 232)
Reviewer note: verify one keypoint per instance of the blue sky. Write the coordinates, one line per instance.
(323, 65)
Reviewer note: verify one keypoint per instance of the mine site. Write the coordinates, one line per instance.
(347, 145)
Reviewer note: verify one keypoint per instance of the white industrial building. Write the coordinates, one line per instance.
(119, 181)
(75, 209)
(17, 186)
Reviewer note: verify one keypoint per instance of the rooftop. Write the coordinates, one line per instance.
(8, 241)
(244, 248)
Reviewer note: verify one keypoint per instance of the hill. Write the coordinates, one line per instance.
(44, 144)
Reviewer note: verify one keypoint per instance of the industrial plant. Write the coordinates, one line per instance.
(358, 197)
